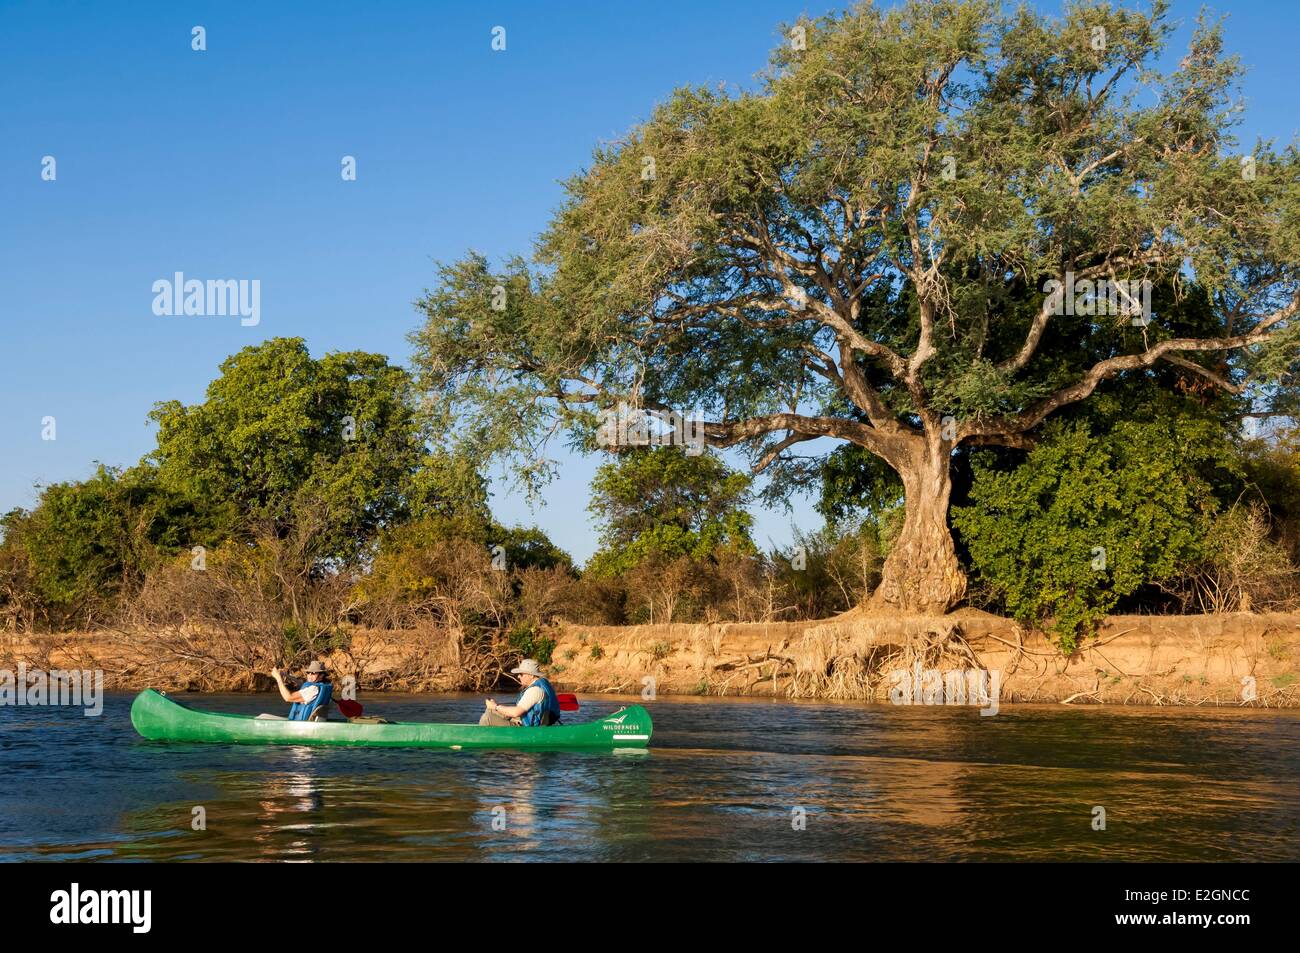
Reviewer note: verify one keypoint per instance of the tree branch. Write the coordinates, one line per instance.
(1117, 365)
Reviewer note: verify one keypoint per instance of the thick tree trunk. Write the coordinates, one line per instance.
(922, 574)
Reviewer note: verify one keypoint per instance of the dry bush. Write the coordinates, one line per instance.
(854, 565)
(743, 589)
(233, 612)
(449, 589)
(19, 604)
(446, 583)
(238, 615)
(662, 591)
(834, 572)
(658, 591)
(426, 662)
(595, 600)
(544, 595)
(828, 571)
(1245, 570)
(212, 623)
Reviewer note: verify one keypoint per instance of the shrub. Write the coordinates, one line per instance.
(830, 570)
(527, 642)
(1242, 568)
(88, 545)
(1086, 520)
(422, 577)
(593, 600)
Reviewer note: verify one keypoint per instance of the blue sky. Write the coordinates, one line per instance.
(225, 164)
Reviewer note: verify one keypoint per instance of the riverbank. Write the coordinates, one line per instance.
(1237, 659)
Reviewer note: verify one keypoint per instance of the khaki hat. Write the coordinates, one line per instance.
(315, 668)
(527, 667)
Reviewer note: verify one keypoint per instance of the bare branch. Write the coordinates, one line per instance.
(1117, 365)
(891, 448)
(1205, 372)
(768, 458)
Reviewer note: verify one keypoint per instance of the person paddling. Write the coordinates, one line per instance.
(311, 697)
(537, 705)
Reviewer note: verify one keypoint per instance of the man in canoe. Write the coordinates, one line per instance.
(311, 697)
(537, 705)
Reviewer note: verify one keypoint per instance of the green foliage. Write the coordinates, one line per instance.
(853, 480)
(725, 253)
(447, 486)
(280, 432)
(88, 542)
(528, 547)
(660, 503)
(528, 642)
(1087, 519)
(307, 458)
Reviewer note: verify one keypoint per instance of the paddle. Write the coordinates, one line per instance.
(349, 709)
(567, 701)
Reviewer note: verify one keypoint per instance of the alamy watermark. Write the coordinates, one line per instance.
(959, 686)
(223, 296)
(133, 908)
(1120, 298)
(628, 426)
(72, 687)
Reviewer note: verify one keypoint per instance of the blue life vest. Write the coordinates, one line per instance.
(533, 717)
(301, 711)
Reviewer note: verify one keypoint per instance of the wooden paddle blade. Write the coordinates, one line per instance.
(349, 709)
(568, 702)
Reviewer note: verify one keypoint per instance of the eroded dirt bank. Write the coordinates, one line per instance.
(1239, 659)
(1177, 660)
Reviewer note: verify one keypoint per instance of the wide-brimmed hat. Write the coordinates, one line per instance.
(315, 668)
(527, 667)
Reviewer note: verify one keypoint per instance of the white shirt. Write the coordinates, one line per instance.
(309, 691)
(531, 696)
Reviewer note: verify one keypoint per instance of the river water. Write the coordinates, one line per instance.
(724, 780)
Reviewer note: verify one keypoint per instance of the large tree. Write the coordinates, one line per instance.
(281, 433)
(862, 247)
(657, 503)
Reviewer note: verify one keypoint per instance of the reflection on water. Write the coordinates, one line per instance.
(724, 780)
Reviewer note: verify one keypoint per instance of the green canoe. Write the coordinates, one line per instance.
(158, 717)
